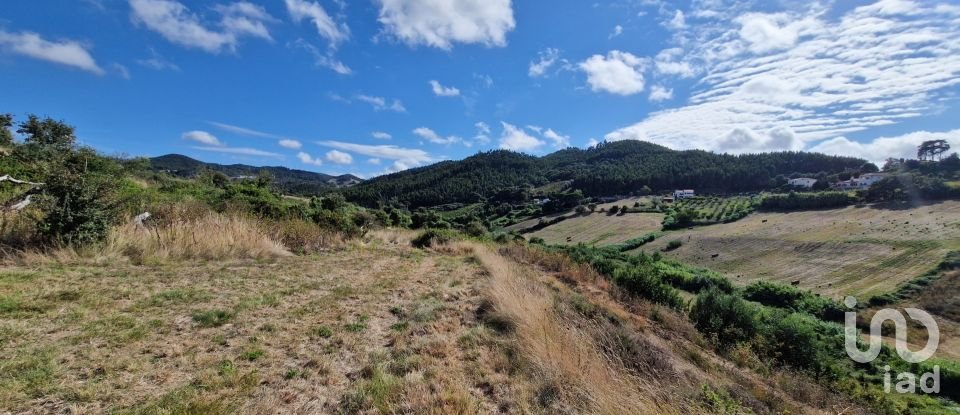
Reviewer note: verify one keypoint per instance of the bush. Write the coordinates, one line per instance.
(791, 298)
(725, 318)
(642, 281)
(674, 244)
(434, 237)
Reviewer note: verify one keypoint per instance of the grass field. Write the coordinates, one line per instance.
(860, 251)
(362, 330)
(600, 228)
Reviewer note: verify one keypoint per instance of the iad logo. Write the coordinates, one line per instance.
(906, 382)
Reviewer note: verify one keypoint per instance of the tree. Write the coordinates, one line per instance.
(932, 150)
(592, 207)
(6, 136)
(869, 168)
(47, 132)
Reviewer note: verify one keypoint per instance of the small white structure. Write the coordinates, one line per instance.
(802, 182)
(859, 183)
(683, 194)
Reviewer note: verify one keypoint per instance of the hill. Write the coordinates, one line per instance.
(296, 182)
(607, 169)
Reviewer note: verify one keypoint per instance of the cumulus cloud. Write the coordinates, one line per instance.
(403, 158)
(660, 93)
(431, 136)
(812, 72)
(202, 137)
(307, 10)
(443, 91)
(176, 23)
(881, 148)
(515, 139)
(380, 135)
(442, 23)
(592, 142)
(64, 52)
(545, 60)
(291, 144)
(618, 73)
(306, 158)
(339, 157)
(559, 141)
(374, 161)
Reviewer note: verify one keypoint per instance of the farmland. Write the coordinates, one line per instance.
(861, 251)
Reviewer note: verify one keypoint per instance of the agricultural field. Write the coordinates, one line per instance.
(600, 228)
(711, 210)
(861, 251)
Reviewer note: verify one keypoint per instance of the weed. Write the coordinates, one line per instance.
(212, 318)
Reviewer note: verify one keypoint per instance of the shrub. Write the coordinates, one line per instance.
(791, 298)
(674, 244)
(642, 281)
(726, 318)
(434, 237)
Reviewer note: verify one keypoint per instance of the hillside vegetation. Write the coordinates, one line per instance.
(607, 169)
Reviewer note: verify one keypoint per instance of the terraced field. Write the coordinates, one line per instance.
(860, 251)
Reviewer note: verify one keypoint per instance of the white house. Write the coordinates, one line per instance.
(859, 183)
(802, 182)
(682, 194)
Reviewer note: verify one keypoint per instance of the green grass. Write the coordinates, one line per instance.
(28, 372)
(357, 326)
(212, 318)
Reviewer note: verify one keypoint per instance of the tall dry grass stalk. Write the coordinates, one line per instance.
(208, 237)
(566, 355)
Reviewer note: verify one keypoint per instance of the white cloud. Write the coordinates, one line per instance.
(306, 158)
(768, 32)
(515, 139)
(592, 142)
(483, 133)
(323, 59)
(431, 136)
(443, 91)
(240, 151)
(617, 31)
(403, 158)
(179, 25)
(841, 73)
(326, 26)
(380, 135)
(339, 157)
(660, 93)
(291, 144)
(244, 131)
(881, 148)
(441, 23)
(380, 103)
(617, 73)
(545, 60)
(677, 22)
(374, 161)
(121, 70)
(157, 62)
(202, 137)
(559, 141)
(63, 52)
(669, 62)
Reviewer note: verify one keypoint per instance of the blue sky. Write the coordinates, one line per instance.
(374, 86)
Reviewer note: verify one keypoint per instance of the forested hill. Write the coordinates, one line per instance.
(607, 169)
(295, 182)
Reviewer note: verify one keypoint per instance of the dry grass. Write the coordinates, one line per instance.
(567, 358)
(601, 229)
(851, 251)
(375, 328)
(208, 237)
